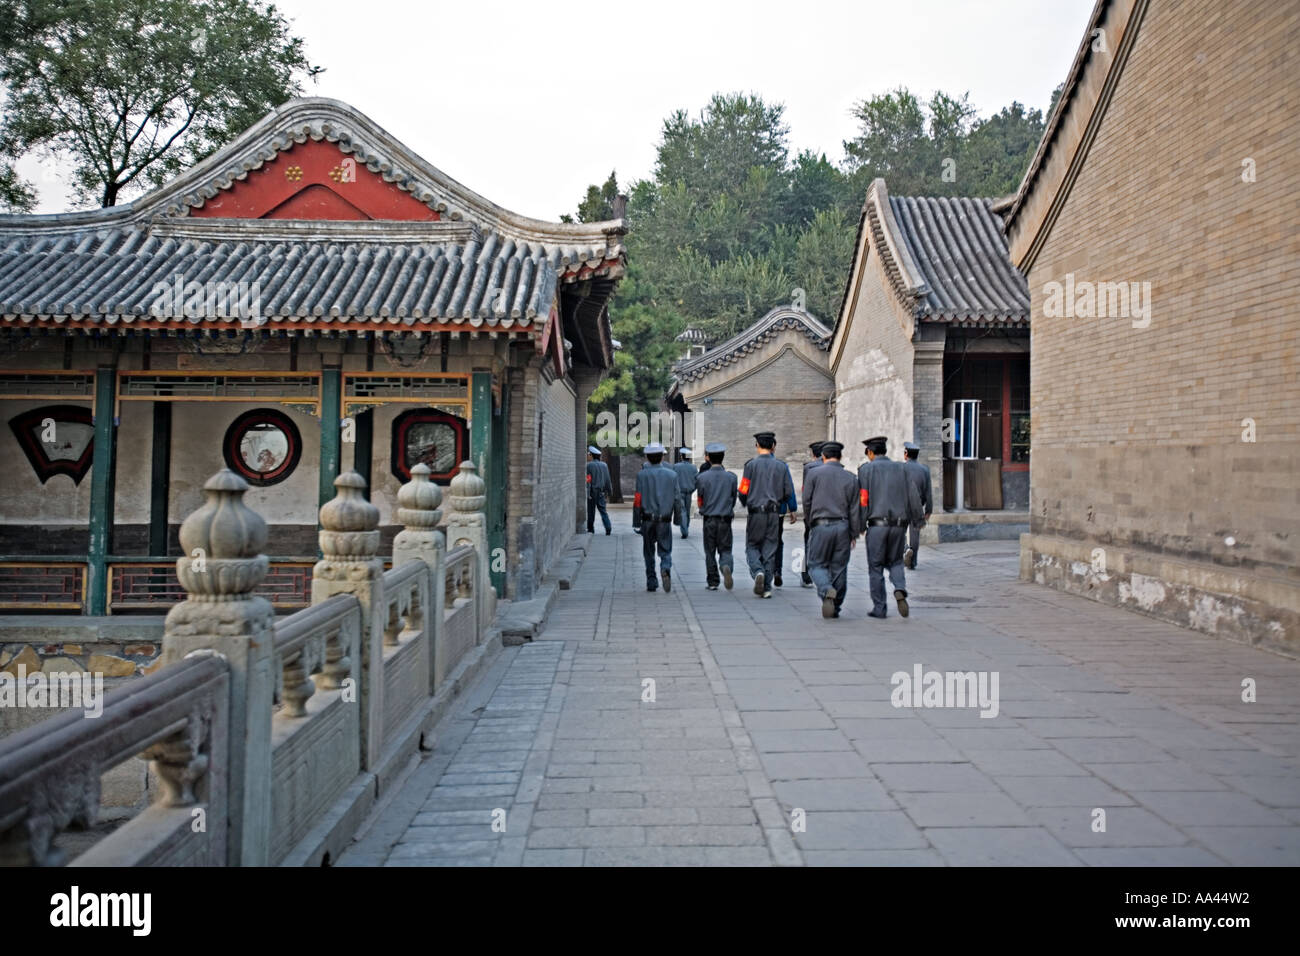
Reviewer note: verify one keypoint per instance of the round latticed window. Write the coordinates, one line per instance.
(263, 446)
(430, 437)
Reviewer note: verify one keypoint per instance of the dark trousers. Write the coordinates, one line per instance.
(803, 572)
(593, 502)
(780, 547)
(828, 558)
(684, 519)
(885, 550)
(914, 541)
(717, 547)
(656, 533)
(762, 538)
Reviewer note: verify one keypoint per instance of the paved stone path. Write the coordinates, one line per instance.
(761, 709)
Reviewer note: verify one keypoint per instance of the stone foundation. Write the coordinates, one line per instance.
(1251, 608)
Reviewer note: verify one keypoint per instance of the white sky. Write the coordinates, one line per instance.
(527, 103)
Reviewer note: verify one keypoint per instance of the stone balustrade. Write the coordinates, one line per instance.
(278, 734)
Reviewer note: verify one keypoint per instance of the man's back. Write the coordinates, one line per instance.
(889, 493)
(657, 487)
(919, 475)
(717, 490)
(686, 476)
(598, 477)
(766, 481)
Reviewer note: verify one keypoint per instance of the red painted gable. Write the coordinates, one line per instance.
(314, 180)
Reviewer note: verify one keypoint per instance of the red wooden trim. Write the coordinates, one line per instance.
(1016, 466)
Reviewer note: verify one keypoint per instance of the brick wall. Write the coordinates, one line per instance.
(874, 376)
(1138, 432)
(556, 486)
(783, 388)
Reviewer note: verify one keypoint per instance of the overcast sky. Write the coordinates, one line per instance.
(527, 103)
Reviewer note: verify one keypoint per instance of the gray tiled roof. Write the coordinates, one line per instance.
(480, 265)
(960, 252)
(752, 339)
(366, 271)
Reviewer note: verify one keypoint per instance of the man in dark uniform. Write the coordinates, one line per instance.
(599, 486)
(890, 503)
(919, 475)
(809, 465)
(765, 484)
(789, 507)
(717, 497)
(654, 511)
(685, 486)
(831, 504)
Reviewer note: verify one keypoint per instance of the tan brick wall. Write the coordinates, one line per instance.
(783, 388)
(1137, 432)
(873, 377)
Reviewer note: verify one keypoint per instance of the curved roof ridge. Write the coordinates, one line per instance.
(755, 336)
(353, 132)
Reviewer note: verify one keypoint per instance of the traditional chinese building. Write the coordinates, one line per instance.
(313, 297)
(770, 377)
(1156, 225)
(934, 312)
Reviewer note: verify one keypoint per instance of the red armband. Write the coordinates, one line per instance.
(589, 479)
(636, 502)
(700, 499)
(744, 486)
(863, 497)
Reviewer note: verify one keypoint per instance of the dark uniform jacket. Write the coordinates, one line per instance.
(717, 488)
(807, 467)
(656, 494)
(919, 475)
(685, 476)
(887, 492)
(598, 478)
(766, 482)
(832, 491)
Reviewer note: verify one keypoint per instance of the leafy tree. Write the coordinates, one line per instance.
(15, 195)
(132, 91)
(996, 153)
(598, 205)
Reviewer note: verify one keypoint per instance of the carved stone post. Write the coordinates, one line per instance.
(223, 542)
(467, 524)
(420, 540)
(349, 541)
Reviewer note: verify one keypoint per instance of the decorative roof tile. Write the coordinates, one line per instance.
(753, 339)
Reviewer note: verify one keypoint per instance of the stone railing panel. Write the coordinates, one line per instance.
(178, 718)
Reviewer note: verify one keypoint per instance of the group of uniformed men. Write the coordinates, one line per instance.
(883, 500)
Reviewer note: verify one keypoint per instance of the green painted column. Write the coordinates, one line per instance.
(481, 453)
(331, 413)
(101, 491)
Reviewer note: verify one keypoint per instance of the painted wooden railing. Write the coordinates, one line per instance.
(269, 737)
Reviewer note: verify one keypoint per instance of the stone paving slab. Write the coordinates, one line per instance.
(713, 728)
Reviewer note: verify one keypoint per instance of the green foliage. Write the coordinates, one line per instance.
(729, 224)
(132, 91)
(940, 148)
(15, 195)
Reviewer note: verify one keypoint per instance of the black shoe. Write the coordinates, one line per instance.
(712, 587)
(777, 580)
(901, 598)
(608, 531)
(879, 614)
(909, 559)
(805, 582)
(651, 586)
(828, 603)
(668, 581)
(837, 612)
(760, 583)
(683, 532)
(767, 594)
(726, 577)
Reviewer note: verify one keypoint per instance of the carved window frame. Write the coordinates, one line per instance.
(245, 423)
